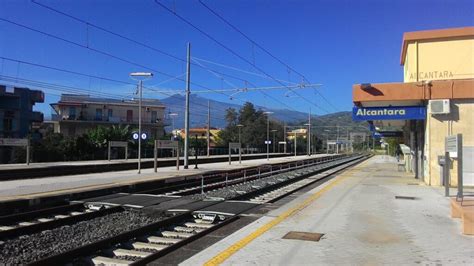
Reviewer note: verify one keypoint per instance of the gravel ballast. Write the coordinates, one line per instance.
(30, 248)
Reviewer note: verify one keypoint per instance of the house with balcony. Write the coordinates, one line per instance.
(75, 114)
(17, 118)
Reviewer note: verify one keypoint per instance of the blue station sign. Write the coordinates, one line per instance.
(389, 113)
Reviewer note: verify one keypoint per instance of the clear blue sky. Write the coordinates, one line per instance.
(336, 43)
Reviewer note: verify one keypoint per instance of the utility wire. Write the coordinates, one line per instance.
(262, 48)
(122, 36)
(231, 51)
(98, 51)
(92, 76)
(76, 90)
(88, 23)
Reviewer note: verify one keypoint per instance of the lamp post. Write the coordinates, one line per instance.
(240, 144)
(268, 134)
(140, 76)
(274, 131)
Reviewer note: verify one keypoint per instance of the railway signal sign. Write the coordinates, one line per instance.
(135, 136)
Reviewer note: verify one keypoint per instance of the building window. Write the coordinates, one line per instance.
(154, 116)
(110, 113)
(72, 113)
(130, 116)
(98, 114)
(7, 124)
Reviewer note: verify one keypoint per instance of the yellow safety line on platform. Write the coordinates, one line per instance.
(224, 255)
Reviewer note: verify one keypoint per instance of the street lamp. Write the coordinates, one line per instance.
(140, 76)
(268, 134)
(240, 144)
(274, 131)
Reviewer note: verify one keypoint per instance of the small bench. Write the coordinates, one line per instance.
(465, 210)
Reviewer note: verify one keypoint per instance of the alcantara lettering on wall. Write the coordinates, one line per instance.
(432, 75)
(380, 112)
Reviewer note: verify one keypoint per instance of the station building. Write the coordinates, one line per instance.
(435, 100)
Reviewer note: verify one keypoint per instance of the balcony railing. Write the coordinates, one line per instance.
(105, 119)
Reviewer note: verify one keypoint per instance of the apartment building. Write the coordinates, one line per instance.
(75, 114)
(17, 117)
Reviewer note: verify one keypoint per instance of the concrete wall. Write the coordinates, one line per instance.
(439, 60)
(460, 120)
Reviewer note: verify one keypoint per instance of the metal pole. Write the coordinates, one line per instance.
(126, 152)
(186, 113)
(155, 156)
(108, 151)
(309, 132)
(240, 148)
(274, 141)
(460, 177)
(177, 158)
(295, 143)
(140, 127)
(284, 138)
(196, 154)
(28, 152)
(446, 174)
(208, 128)
(268, 136)
(337, 140)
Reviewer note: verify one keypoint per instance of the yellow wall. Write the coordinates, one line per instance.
(461, 120)
(439, 60)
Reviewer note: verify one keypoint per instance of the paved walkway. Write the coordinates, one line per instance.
(112, 162)
(48, 186)
(362, 222)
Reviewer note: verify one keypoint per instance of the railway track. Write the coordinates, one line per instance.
(36, 221)
(180, 225)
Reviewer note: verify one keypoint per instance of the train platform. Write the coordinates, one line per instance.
(45, 169)
(63, 185)
(371, 214)
(40, 165)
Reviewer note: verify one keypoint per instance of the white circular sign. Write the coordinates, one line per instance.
(135, 136)
(144, 136)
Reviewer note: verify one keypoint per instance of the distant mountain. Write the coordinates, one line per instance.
(198, 114)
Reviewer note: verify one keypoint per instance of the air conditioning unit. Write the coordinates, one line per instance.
(437, 107)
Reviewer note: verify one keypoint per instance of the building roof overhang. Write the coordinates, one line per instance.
(401, 93)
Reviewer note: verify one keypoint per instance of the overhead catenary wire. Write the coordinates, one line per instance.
(169, 93)
(231, 50)
(101, 52)
(263, 49)
(88, 23)
(105, 53)
(74, 90)
(124, 37)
